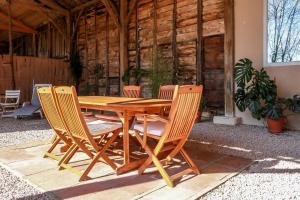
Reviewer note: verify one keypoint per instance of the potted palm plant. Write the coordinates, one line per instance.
(258, 93)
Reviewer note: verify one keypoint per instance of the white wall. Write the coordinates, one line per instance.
(249, 43)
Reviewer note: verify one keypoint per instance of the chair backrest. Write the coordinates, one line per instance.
(183, 112)
(68, 106)
(35, 99)
(51, 113)
(12, 95)
(167, 92)
(132, 91)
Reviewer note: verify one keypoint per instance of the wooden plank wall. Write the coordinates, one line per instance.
(171, 25)
(27, 69)
(98, 44)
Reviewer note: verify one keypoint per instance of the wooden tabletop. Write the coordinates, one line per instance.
(121, 103)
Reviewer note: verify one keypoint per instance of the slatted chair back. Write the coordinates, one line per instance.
(167, 92)
(47, 102)
(132, 91)
(183, 112)
(68, 106)
(12, 96)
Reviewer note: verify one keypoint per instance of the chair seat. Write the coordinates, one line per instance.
(108, 117)
(154, 128)
(99, 127)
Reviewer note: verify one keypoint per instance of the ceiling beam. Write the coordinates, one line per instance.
(32, 5)
(19, 23)
(112, 10)
(132, 8)
(17, 29)
(110, 7)
(85, 5)
(52, 4)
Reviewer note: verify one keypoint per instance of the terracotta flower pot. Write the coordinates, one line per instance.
(276, 126)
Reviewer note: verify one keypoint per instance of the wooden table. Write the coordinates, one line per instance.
(125, 108)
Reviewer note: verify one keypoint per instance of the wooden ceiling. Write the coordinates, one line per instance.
(28, 15)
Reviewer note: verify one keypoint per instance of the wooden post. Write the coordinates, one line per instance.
(49, 40)
(107, 89)
(34, 44)
(199, 42)
(123, 39)
(229, 57)
(174, 42)
(10, 35)
(69, 35)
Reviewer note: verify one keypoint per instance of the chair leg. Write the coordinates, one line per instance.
(71, 149)
(153, 158)
(100, 154)
(68, 157)
(189, 161)
(54, 144)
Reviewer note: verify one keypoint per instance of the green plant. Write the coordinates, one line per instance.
(254, 88)
(137, 73)
(161, 72)
(258, 93)
(203, 104)
(76, 68)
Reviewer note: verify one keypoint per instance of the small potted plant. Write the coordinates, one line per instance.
(258, 93)
(273, 113)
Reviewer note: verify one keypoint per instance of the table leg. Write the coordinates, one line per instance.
(126, 138)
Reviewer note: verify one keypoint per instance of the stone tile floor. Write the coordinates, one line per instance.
(27, 160)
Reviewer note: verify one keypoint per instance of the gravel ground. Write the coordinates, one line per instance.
(276, 175)
(14, 132)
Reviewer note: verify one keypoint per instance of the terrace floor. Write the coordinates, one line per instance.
(27, 160)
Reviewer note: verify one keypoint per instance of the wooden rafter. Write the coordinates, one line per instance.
(52, 4)
(85, 5)
(18, 23)
(17, 29)
(131, 9)
(112, 10)
(32, 5)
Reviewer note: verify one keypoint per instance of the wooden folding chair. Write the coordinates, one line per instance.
(132, 91)
(171, 133)
(93, 140)
(48, 105)
(167, 92)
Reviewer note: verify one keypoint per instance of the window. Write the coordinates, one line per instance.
(282, 32)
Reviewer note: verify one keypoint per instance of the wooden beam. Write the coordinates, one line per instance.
(16, 22)
(85, 5)
(200, 48)
(229, 57)
(52, 4)
(16, 29)
(123, 39)
(10, 38)
(32, 5)
(113, 12)
(132, 8)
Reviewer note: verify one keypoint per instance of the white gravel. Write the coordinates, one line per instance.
(276, 175)
(14, 132)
